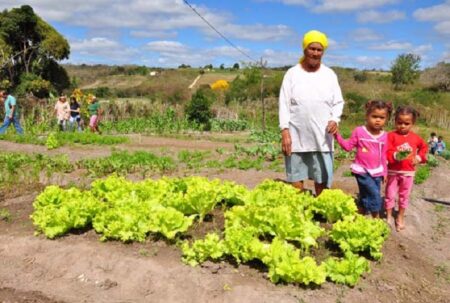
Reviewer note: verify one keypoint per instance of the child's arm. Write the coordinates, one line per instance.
(384, 160)
(422, 151)
(391, 149)
(349, 144)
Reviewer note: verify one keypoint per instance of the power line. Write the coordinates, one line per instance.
(219, 33)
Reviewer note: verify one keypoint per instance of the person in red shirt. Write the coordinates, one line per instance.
(405, 150)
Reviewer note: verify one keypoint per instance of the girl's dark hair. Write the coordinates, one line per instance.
(73, 99)
(407, 110)
(378, 104)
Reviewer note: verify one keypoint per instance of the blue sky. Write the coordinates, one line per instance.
(166, 33)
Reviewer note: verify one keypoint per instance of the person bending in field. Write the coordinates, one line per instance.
(405, 150)
(95, 113)
(369, 166)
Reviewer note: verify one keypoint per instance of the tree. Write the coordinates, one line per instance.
(236, 66)
(437, 77)
(222, 66)
(28, 44)
(405, 69)
(199, 108)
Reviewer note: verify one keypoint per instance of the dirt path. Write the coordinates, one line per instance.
(79, 268)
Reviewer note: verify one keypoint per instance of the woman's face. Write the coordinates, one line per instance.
(313, 54)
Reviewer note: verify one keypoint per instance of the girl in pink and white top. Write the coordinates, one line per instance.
(370, 165)
(405, 150)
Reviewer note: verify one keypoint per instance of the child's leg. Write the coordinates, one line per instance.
(367, 190)
(373, 189)
(405, 186)
(391, 192)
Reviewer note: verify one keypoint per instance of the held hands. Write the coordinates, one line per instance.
(286, 142)
(332, 128)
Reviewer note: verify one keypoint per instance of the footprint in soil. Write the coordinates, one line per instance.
(107, 284)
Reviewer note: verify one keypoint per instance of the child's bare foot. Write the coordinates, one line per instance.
(399, 225)
(390, 222)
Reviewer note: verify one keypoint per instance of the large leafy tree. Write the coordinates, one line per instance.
(405, 69)
(29, 45)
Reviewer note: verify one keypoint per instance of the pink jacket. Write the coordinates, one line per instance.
(370, 151)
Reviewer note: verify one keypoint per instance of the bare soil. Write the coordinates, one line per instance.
(80, 268)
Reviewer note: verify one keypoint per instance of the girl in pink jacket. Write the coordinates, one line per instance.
(370, 164)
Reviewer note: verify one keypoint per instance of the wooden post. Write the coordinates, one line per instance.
(263, 102)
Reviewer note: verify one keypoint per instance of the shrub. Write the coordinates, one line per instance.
(360, 77)
(199, 109)
(31, 83)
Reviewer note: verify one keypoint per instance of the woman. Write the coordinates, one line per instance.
(310, 106)
(95, 112)
(74, 114)
(62, 112)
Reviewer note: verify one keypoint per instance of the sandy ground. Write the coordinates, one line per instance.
(79, 268)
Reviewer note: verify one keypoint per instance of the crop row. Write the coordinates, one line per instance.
(272, 223)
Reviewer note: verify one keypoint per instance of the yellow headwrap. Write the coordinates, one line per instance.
(314, 36)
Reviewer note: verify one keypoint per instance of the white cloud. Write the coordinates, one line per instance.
(440, 14)
(370, 61)
(349, 5)
(443, 27)
(422, 50)
(258, 32)
(365, 34)
(167, 47)
(391, 45)
(155, 18)
(380, 17)
(173, 53)
(100, 48)
(280, 58)
(321, 6)
(434, 13)
(153, 34)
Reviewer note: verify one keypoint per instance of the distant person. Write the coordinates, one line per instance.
(405, 150)
(95, 114)
(75, 116)
(12, 115)
(370, 164)
(440, 145)
(432, 143)
(310, 107)
(62, 112)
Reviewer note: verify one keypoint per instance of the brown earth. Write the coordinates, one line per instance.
(80, 268)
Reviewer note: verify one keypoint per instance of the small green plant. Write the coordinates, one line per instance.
(144, 253)
(51, 141)
(432, 161)
(445, 154)
(5, 215)
(422, 174)
(442, 272)
(347, 173)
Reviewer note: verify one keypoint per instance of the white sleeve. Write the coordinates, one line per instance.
(338, 102)
(284, 101)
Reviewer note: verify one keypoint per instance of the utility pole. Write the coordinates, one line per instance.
(263, 102)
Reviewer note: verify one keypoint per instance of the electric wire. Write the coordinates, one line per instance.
(219, 33)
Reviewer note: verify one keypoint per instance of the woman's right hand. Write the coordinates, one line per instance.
(286, 142)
